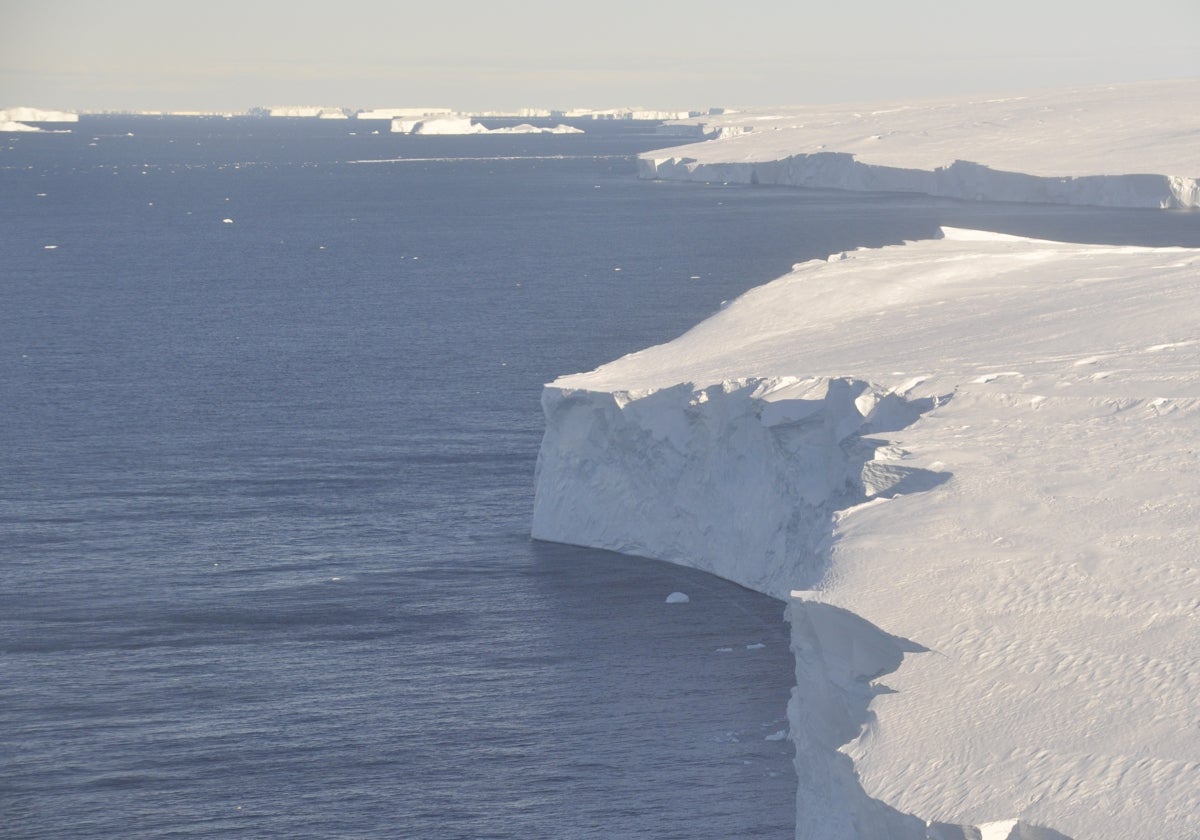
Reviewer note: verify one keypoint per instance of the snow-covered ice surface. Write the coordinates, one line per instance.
(971, 466)
(1135, 145)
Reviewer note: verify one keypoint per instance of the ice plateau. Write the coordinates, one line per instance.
(1134, 145)
(970, 467)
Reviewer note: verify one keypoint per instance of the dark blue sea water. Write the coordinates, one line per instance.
(265, 484)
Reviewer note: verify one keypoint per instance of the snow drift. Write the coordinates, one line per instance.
(969, 466)
(1120, 146)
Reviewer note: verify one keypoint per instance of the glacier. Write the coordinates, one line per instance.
(1132, 145)
(968, 467)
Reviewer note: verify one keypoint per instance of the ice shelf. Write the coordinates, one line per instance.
(969, 466)
(1135, 145)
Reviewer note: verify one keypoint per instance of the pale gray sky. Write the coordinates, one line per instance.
(491, 54)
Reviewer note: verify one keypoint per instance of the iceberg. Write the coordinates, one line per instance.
(1134, 145)
(437, 125)
(967, 467)
(464, 125)
(526, 128)
(307, 111)
(27, 115)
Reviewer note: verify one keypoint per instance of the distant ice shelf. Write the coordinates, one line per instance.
(1135, 145)
(968, 466)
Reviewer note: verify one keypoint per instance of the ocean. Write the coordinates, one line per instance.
(269, 419)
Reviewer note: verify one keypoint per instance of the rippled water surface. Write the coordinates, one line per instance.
(266, 484)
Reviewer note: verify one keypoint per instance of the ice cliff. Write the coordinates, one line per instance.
(1132, 145)
(968, 465)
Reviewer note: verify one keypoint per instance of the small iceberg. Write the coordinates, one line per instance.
(678, 598)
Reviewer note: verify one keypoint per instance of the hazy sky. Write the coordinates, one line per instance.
(492, 54)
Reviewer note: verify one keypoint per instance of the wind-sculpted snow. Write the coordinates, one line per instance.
(969, 466)
(1118, 146)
